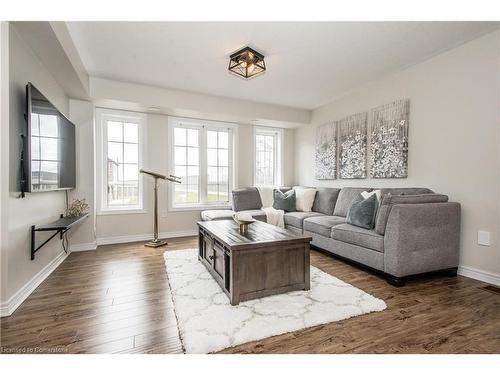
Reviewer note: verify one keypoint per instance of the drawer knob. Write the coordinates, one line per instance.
(211, 257)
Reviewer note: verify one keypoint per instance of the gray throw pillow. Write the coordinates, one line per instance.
(284, 201)
(362, 212)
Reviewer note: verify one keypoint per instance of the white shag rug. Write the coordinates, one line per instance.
(208, 323)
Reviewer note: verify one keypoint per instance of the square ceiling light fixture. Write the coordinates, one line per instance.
(247, 63)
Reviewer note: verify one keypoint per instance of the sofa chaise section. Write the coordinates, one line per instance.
(422, 238)
(242, 200)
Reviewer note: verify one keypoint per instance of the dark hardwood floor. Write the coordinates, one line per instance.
(117, 300)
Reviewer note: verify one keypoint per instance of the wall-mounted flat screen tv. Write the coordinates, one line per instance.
(50, 154)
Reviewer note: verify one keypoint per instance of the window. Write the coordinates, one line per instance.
(202, 155)
(187, 164)
(120, 137)
(218, 165)
(267, 168)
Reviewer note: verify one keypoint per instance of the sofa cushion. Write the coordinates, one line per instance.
(344, 201)
(208, 215)
(325, 200)
(284, 201)
(358, 236)
(256, 214)
(322, 224)
(388, 200)
(296, 219)
(362, 212)
(246, 199)
(304, 199)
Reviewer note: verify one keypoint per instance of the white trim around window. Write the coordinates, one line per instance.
(203, 127)
(278, 156)
(103, 116)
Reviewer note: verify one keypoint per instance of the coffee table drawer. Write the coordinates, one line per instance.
(218, 259)
(208, 249)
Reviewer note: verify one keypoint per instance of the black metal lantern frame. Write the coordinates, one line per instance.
(247, 63)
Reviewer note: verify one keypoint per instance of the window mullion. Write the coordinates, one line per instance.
(104, 171)
(203, 163)
(123, 164)
(218, 167)
(274, 159)
(230, 177)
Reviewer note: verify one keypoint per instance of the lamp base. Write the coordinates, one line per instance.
(156, 243)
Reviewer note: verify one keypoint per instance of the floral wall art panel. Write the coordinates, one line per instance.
(352, 146)
(389, 140)
(326, 152)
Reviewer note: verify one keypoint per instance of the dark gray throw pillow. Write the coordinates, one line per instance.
(284, 201)
(362, 212)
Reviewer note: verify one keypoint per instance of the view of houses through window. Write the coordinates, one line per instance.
(120, 138)
(122, 163)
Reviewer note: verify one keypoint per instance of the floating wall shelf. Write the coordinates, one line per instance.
(60, 226)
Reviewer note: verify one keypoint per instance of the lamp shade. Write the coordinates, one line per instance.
(247, 63)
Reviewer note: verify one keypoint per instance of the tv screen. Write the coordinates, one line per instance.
(50, 155)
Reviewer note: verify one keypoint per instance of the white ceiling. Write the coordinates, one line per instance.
(308, 64)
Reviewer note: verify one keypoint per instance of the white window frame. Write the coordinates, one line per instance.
(102, 116)
(203, 126)
(278, 158)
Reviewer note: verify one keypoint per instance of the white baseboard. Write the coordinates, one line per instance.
(8, 307)
(143, 237)
(474, 273)
(83, 247)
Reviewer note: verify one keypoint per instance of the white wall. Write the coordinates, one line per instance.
(38, 208)
(81, 113)
(453, 138)
(4, 154)
(136, 97)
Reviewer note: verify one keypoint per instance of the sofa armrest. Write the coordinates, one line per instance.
(422, 238)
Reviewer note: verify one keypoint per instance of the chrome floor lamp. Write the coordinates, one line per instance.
(156, 242)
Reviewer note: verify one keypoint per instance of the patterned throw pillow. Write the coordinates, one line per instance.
(362, 212)
(284, 201)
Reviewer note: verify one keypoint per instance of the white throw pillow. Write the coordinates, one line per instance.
(366, 194)
(304, 199)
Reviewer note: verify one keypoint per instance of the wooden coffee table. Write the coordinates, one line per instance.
(263, 261)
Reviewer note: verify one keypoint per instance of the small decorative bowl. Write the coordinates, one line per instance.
(243, 223)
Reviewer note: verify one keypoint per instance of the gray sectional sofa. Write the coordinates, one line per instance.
(416, 230)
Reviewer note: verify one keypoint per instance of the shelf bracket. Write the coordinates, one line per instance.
(60, 227)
